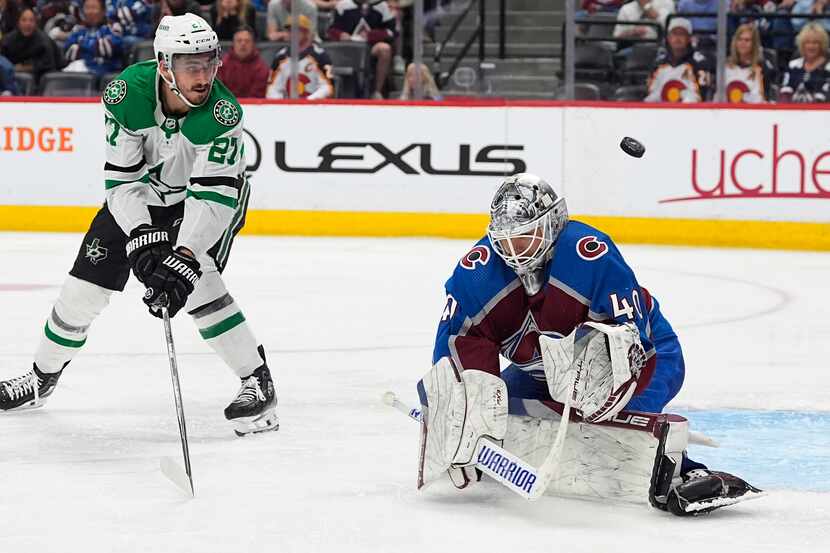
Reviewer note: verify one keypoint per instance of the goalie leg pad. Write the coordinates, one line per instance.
(607, 461)
(460, 409)
(603, 361)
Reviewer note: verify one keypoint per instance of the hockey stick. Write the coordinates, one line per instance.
(183, 479)
(550, 466)
(501, 465)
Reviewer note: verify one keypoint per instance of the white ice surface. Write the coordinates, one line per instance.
(343, 321)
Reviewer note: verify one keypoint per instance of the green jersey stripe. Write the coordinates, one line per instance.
(238, 217)
(62, 341)
(212, 197)
(112, 183)
(222, 326)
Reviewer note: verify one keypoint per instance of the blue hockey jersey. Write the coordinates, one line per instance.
(131, 17)
(488, 313)
(99, 47)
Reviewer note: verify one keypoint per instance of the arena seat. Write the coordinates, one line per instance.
(636, 67)
(582, 91)
(350, 62)
(58, 83)
(593, 62)
(25, 83)
(630, 93)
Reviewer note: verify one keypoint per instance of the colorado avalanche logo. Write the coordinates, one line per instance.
(673, 91)
(479, 255)
(735, 91)
(591, 249)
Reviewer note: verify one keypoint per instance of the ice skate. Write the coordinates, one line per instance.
(253, 410)
(21, 393)
(703, 490)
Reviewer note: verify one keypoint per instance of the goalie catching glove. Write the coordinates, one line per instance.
(597, 364)
(460, 409)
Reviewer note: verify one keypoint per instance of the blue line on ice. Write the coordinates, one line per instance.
(770, 449)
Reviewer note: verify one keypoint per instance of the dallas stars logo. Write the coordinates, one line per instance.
(226, 113)
(115, 92)
(95, 252)
(161, 188)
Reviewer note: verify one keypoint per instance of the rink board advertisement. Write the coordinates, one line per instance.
(709, 176)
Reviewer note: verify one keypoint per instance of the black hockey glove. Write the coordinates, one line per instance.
(172, 280)
(146, 248)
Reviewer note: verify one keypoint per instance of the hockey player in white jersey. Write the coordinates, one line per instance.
(176, 195)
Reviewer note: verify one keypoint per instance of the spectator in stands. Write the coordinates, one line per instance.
(775, 32)
(174, 7)
(280, 10)
(132, 19)
(706, 24)
(748, 73)
(642, 10)
(362, 21)
(94, 47)
(8, 86)
(243, 70)
(325, 4)
(816, 7)
(313, 73)
(807, 78)
(230, 15)
(428, 86)
(398, 7)
(681, 73)
(9, 12)
(29, 48)
(60, 18)
(592, 7)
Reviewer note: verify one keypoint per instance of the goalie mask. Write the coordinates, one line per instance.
(526, 217)
(186, 44)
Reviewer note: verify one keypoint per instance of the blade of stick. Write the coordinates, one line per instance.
(174, 472)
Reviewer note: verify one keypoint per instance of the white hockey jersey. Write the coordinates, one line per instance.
(155, 160)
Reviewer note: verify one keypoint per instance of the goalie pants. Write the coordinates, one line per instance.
(101, 267)
(527, 384)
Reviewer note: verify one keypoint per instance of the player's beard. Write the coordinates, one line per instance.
(198, 95)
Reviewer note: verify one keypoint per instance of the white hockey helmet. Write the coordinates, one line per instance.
(179, 35)
(526, 208)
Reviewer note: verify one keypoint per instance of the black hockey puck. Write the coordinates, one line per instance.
(632, 147)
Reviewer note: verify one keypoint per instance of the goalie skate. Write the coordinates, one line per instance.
(254, 409)
(28, 391)
(703, 491)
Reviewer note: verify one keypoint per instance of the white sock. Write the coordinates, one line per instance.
(223, 326)
(78, 304)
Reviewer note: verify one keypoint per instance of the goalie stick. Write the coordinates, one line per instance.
(182, 478)
(506, 468)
